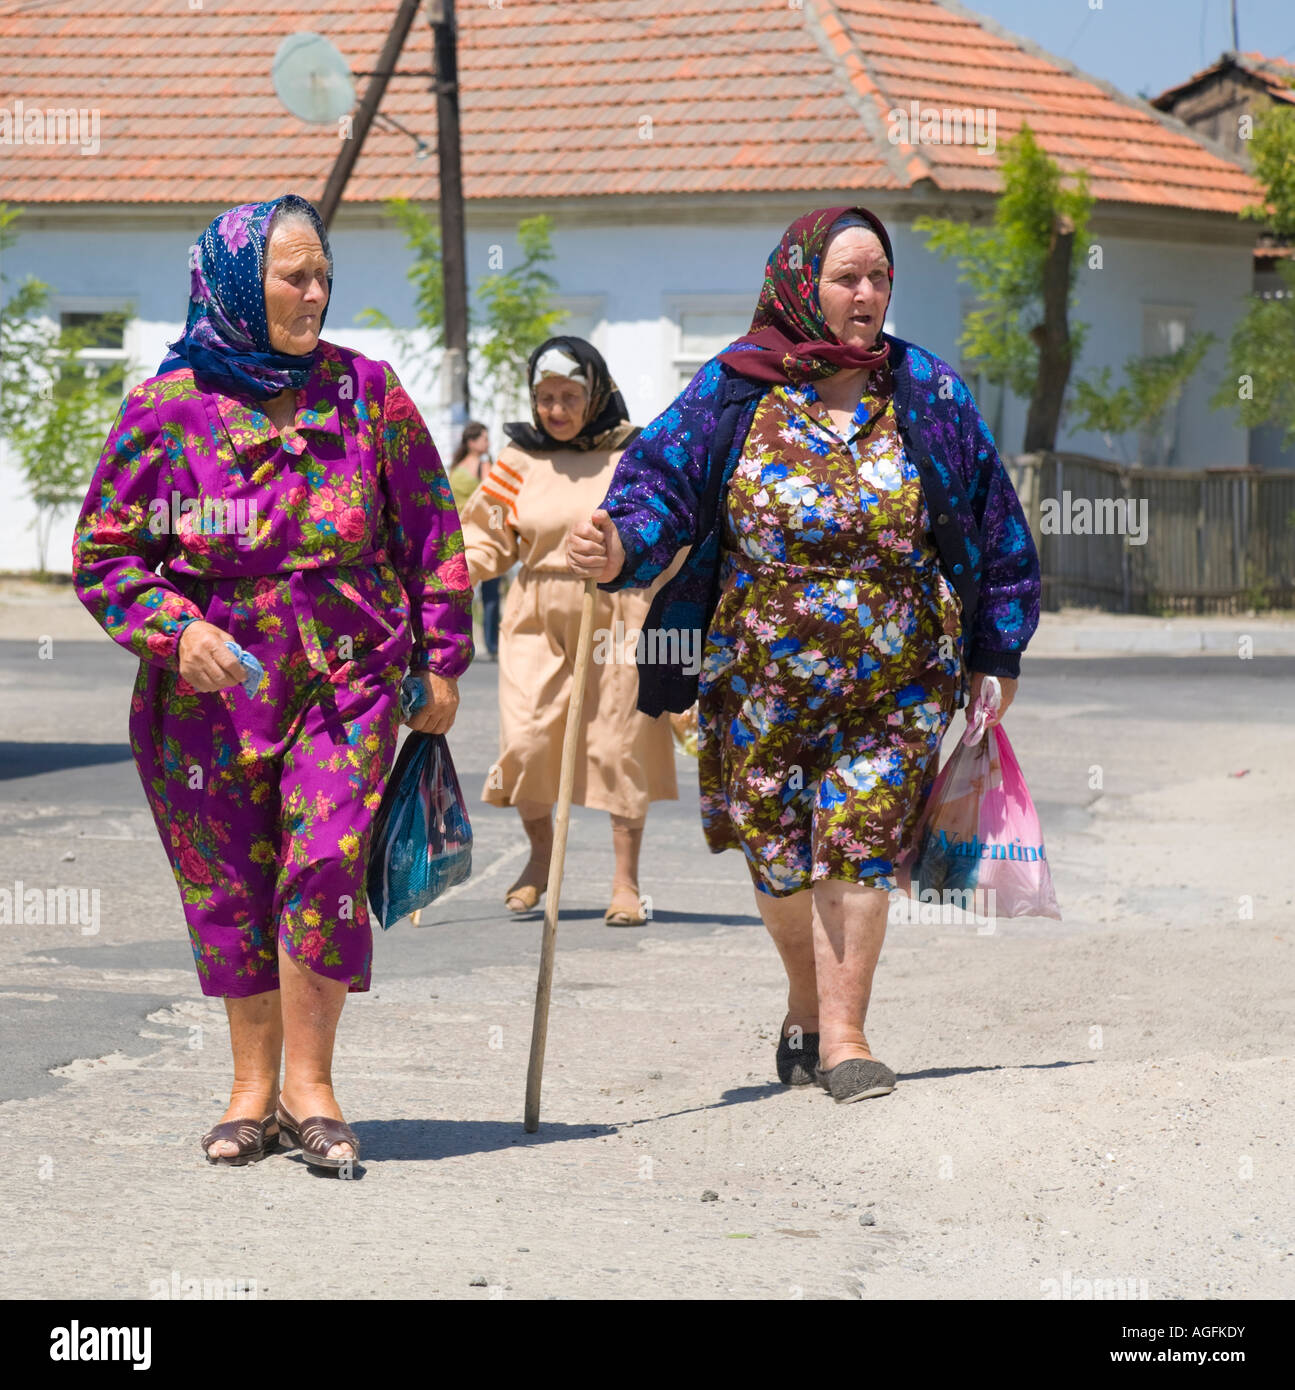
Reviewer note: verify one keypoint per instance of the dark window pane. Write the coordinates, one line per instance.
(109, 332)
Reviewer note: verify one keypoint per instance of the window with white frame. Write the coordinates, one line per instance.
(704, 325)
(104, 323)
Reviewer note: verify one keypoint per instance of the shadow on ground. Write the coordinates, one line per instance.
(419, 1140)
(36, 759)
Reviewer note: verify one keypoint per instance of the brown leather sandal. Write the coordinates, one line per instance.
(251, 1137)
(316, 1135)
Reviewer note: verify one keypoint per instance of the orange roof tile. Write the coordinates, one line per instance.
(1277, 73)
(749, 96)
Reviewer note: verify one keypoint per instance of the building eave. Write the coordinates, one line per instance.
(901, 206)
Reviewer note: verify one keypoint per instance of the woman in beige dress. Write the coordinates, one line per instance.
(552, 473)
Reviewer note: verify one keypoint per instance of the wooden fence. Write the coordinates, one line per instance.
(1159, 540)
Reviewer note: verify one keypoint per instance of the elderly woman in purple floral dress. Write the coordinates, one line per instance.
(297, 507)
(858, 558)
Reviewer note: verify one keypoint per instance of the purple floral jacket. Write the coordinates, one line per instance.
(668, 488)
(361, 488)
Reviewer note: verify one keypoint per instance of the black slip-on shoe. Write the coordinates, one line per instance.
(797, 1065)
(856, 1079)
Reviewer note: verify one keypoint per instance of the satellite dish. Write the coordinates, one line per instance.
(312, 79)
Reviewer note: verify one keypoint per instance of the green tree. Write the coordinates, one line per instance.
(1149, 386)
(517, 306)
(23, 352)
(1022, 270)
(1260, 383)
(519, 311)
(55, 406)
(423, 237)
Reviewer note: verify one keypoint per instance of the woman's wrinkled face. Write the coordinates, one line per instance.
(561, 404)
(296, 288)
(854, 286)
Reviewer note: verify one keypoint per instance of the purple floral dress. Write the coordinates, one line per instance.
(332, 553)
(832, 666)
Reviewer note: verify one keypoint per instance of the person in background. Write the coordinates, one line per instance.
(553, 471)
(467, 469)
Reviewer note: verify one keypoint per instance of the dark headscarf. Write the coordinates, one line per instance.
(226, 335)
(791, 340)
(606, 423)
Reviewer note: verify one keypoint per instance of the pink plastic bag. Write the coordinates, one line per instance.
(979, 835)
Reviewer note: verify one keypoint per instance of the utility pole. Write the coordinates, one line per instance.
(1236, 41)
(453, 252)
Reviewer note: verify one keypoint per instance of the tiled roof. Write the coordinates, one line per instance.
(1276, 74)
(581, 97)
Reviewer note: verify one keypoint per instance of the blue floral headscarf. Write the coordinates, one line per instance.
(226, 336)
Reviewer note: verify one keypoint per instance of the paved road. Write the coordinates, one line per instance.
(68, 787)
(1098, 1099)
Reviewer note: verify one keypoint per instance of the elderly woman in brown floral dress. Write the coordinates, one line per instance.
(858, 557)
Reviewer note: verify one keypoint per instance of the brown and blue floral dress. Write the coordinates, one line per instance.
(834, 658)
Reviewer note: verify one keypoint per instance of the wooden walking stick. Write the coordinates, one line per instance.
(548, 946)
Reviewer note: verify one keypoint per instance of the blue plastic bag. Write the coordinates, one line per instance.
(421, 843)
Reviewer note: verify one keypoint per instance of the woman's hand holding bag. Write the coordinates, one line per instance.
(980, 834)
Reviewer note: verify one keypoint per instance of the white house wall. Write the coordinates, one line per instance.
(635, 277)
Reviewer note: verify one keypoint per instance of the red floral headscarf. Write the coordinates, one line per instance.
(791, 340)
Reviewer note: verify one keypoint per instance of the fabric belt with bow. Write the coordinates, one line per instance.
(303, 608)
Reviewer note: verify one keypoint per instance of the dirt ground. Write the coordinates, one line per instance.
(1094, 1106)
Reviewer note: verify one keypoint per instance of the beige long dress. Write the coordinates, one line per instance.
(522, 511)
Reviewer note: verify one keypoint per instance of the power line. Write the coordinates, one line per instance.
(1078, 34)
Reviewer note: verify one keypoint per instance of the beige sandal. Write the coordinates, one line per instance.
(618, 915)
(523, 899)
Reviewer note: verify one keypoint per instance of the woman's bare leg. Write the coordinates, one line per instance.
(849, 927)
(788, 920)
(627, 842)
(537, 821)
(256, 1039)
(312, 1005)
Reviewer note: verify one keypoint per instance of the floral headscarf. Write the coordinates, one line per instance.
(789, 341)
(226, 335)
